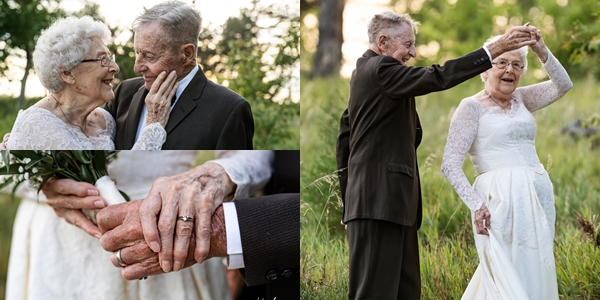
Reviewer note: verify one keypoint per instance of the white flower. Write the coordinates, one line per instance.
(20, 177)
(34, 170)
(27, 160)
(20, 169)
(26, 176)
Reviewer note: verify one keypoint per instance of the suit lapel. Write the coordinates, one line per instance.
(133, 118)
(186, 102)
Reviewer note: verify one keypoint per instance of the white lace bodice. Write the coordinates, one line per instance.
(39, 129)
(496, 138)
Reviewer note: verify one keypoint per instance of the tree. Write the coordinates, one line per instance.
(328, 58)
(255, 55)
(21, 22)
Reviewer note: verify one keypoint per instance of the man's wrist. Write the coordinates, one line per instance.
(218, 236)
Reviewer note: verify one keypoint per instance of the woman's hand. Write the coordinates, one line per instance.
(196, 193)
(482, 220)
(539, 47)
(158, 100)
(68, 197)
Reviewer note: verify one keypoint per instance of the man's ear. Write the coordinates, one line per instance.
(381, 41)
(188, 52)
(67, 76)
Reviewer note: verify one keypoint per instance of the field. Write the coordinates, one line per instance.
(447, 252)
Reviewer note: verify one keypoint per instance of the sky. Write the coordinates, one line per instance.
(123, 12)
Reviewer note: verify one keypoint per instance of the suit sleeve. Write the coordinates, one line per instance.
(238, 130)
(270, 233)
(401, 82)
(342, 152)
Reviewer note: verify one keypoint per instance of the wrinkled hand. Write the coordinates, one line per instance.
(4, 142)
(514, 38)
(158, 100)
(482, 220)
(539, 47)
(196, 193)
(67, 197)
(122, 229)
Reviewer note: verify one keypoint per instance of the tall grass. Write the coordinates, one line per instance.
(447, 251)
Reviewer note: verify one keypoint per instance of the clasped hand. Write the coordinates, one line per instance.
(149, 231)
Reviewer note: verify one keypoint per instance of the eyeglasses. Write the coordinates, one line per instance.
(104, 60)
(503, 64)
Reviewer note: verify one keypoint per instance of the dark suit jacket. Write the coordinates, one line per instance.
(380, 132)
(207, 116)
(270, 233)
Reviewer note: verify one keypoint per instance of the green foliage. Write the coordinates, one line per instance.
(8, 112)
(584, 42)
(260, 71)
(20, 25)
(447, 251)
(8, 210)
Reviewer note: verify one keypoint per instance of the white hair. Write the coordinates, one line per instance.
(180, 23)
(63, 46)
(383, 21)
(521, 51)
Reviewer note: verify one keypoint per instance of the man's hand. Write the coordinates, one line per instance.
(122, 229)
(514, 38)
(68, 197)
(158, 100)
(482, 220)
(196, 193)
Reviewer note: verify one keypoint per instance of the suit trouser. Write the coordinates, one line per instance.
(384, 260)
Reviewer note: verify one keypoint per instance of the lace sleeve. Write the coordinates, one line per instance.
(38, 129)
(462, 133)
(540, 95)
(152, 137)
(250, 170)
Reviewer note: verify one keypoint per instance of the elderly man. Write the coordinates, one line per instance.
(204, 115)
(376, 152)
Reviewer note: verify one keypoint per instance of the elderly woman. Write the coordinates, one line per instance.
(512, 201)
(50, 258)
(75, 66)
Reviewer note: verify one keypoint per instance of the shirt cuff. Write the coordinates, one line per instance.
(488, 52)
(234, 240)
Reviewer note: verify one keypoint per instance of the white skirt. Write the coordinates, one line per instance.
(516, 259)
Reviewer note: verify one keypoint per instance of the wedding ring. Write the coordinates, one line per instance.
(185, 218)
(119, 259)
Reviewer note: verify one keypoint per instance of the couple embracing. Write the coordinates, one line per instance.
(512, 201)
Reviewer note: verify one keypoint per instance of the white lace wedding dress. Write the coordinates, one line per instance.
(51, 259)
(39, 129)
(516, 260)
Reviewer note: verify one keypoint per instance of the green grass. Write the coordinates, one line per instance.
(8, 209)
(447, 251)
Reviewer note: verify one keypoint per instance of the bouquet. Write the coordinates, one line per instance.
(35, 167)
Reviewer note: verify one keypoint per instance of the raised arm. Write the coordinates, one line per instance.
(462, 133)
(540, 95)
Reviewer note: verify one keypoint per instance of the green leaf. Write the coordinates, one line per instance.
(82, 156)
(125, 196)
(99, 161)
(8, 181)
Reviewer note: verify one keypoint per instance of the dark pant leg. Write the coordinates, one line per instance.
(383, 261)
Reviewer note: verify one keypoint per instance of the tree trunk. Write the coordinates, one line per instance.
(328, 58)
(21, 100)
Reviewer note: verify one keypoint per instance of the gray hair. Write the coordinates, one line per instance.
(180, 22)
(383, 21)
(521, 51)
(63, 46)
